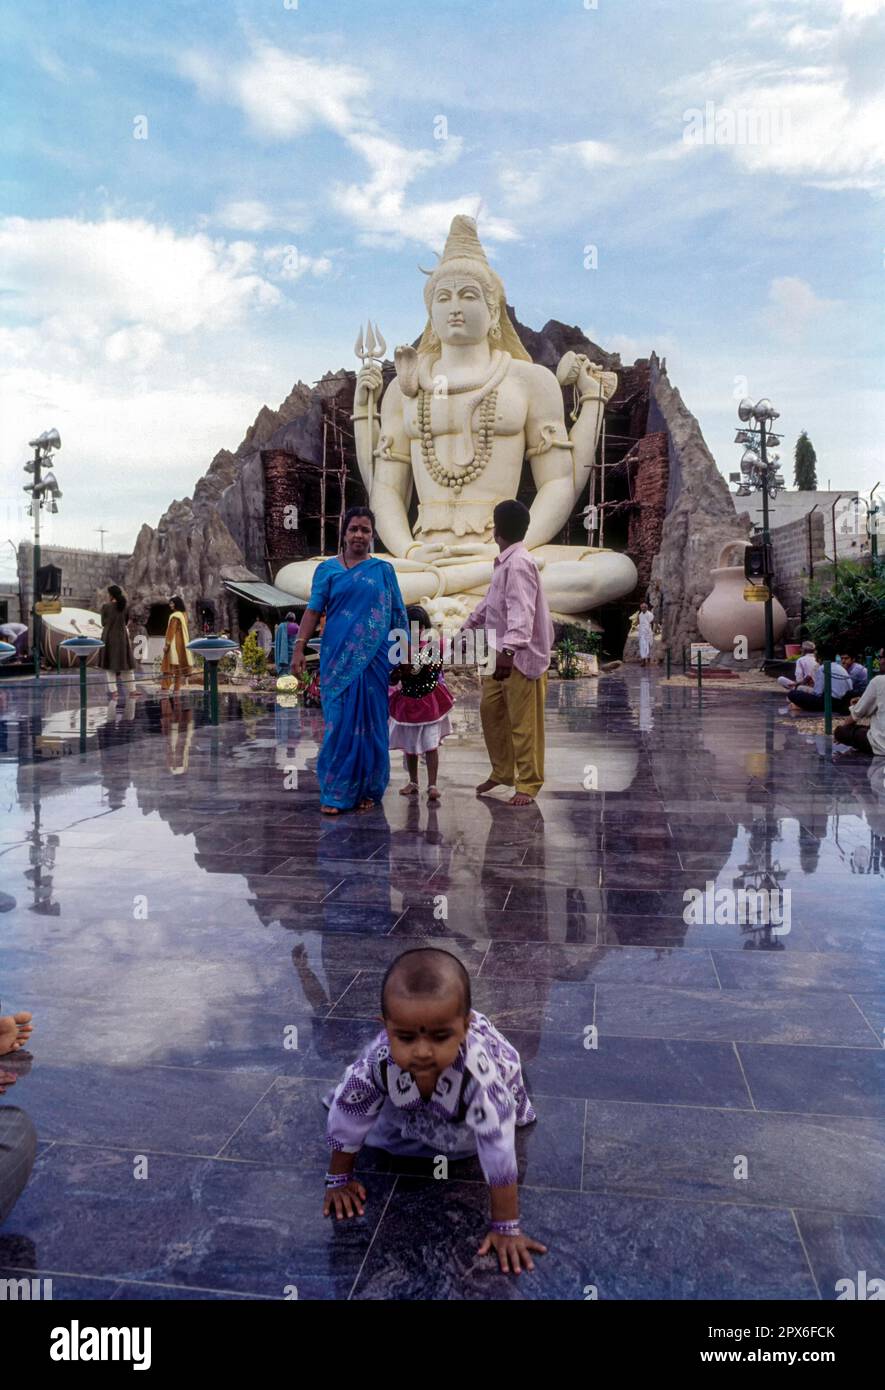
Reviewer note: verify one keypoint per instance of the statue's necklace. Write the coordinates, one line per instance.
(455, 478)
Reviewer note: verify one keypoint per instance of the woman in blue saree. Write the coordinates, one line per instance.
(360, 597)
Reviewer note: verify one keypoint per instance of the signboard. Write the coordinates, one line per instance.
(49, 605)
(706, 651)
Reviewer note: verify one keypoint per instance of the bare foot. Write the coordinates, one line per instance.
(330, 810)
(15, 1030)
(7, 1078)
(410, 789)
(366, 804)
(433, 794)
(487, 786)
(520, 799)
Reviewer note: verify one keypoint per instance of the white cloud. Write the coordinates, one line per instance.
(802, 36)
(252, 215)
(802, 122)
(288, 263)
(284, 95)
(792, 305)
(101, 276)
(281, 94)
(588, 152)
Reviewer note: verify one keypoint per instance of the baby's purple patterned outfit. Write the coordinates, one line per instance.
(475, 1108)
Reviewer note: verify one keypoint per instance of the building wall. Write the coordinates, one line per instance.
(85, 574)
(851, 540)
(797, 548)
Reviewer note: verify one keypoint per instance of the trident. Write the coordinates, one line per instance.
(371, 349)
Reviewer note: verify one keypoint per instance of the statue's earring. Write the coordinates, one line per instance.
(495, 330)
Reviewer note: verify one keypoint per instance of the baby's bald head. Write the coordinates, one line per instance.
(426, 973)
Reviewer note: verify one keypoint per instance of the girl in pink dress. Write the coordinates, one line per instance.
(419, 706)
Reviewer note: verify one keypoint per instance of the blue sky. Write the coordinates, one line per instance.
(155, 292)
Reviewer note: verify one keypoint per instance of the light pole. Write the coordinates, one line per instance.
(759, 473)
(42, 487)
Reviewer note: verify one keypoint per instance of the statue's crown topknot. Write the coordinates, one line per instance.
(463, 241)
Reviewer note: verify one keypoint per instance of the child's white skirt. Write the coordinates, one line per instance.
(419, 738)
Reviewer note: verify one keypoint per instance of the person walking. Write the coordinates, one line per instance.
(516, 616)
(360, 597)
(116, 657)
(646, 633)
(177, 660)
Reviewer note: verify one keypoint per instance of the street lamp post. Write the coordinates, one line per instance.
(759, 473)
(766, 542)
(41, 488)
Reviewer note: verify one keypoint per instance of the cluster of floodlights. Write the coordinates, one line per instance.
(759, 468)
(46, 487)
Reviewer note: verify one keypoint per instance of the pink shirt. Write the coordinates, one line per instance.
(514, 612)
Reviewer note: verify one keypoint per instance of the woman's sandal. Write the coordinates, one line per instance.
(434, 794)
(410, 789)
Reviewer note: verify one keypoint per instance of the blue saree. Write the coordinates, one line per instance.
(361, 605)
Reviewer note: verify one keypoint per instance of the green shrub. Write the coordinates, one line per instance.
(851, 614)
(254, 656)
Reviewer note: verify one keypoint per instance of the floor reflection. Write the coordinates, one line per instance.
(178, 915)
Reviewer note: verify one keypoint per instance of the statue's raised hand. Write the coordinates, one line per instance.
(368, 379)
(595, 381)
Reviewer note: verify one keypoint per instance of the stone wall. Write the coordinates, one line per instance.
(796, 548)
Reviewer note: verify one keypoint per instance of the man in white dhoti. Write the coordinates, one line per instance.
(646, 633)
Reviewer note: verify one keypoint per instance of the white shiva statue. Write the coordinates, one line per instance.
(465, 409)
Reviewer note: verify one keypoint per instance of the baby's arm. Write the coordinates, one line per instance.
(352, 1113)
(496, 1149)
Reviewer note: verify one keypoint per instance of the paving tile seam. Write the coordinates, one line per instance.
(373, 1238)
(642, 1194)
(729, 1041)
(880, 1038)
(232, 1136)
(793, 1211)
(121, 1280)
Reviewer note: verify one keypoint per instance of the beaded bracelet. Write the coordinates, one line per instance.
(338, 1179)
(505, 1228)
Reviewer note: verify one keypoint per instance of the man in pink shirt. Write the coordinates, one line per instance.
(515, 615)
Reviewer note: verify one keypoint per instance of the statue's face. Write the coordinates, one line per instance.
(459, 313)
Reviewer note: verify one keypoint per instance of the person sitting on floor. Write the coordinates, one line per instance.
(18, 1138)
(871, 705)
(805, 669)
(812, 701)
(858, 673)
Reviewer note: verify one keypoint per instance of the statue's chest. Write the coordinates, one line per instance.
(503, 412)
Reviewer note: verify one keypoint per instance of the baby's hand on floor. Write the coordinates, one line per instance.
(348, 1200)
(512, 1251)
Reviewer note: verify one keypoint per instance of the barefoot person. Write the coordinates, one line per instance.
(516, 616)
(419, 705)
(18, 1138)
(360, 597)
(15, 1030)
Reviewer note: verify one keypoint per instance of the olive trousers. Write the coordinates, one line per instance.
(512, 714)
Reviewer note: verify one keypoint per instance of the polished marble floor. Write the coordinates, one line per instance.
(202, 953)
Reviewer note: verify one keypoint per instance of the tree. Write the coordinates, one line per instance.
(804, 474)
